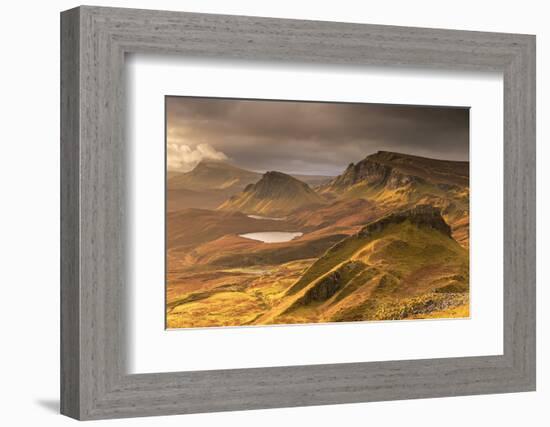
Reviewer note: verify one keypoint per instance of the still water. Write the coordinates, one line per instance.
(272, 236)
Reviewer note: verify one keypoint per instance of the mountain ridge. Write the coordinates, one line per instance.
(212, 175)
(220, 174)
(421, 216)
(396, 169)
(398, 181)
(340, 285)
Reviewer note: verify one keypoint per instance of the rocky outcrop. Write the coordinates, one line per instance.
(421, 215)
(385, 169)
(399, 180)
(366, 171)
(328, 285)
(374, 170)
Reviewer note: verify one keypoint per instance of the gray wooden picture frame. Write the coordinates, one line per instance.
(94, 381)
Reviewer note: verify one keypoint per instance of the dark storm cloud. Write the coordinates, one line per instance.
(307, 137)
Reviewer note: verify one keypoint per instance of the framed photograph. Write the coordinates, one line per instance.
(270, 221)
(262, 213)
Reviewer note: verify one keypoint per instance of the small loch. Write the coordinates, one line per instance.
(272, 236)
(271, 218)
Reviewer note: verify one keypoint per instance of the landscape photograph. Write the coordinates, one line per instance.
(297, 212)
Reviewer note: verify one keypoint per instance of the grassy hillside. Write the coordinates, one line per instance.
(402, 268)
(405, 265)
(387, 239)
(397, 181)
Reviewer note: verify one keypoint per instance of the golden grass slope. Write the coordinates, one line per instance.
(402, 266)
(396, 181)
(406, 267)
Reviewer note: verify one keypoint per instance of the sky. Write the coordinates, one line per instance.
(313, 138)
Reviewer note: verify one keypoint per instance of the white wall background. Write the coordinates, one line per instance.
(29, 214)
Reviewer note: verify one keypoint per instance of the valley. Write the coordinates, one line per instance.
(386, 239)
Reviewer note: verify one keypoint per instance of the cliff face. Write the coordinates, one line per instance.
(395, 170)
(397, 181)
(366, 171)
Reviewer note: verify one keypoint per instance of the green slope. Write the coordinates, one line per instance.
(404, 265)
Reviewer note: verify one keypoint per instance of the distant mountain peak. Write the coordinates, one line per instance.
(388, 156)
(211, 174)
(275, 184)
(383, 155)
(275, 193)
(214, 163)
(276, 175)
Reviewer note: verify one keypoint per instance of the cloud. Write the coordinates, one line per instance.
(315, 137)
(182, 158)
